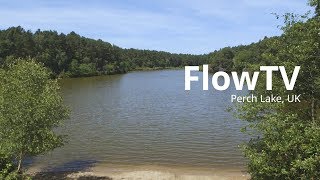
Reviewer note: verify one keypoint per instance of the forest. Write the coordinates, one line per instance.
(71, 55)
(74, 56)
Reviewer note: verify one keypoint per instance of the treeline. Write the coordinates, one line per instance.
(73, 55)
(241, 57)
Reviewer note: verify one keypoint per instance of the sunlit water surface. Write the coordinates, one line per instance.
(147, 118)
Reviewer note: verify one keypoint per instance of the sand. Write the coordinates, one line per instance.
(152, 173)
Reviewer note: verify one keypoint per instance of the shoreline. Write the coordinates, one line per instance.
(140, 69)
(132, 172)
(155, 69)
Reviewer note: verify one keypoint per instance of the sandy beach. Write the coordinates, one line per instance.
(144, 172)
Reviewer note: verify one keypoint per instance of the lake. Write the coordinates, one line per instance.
(147, 118)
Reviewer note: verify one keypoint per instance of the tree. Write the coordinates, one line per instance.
(222, 60)
(30, 110)
(316, 4)
(286, 141)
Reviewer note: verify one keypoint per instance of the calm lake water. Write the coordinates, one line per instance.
(147, 118)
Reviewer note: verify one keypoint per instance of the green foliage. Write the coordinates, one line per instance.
(76, 56)
(6, 166)
(316, 4)
(222, 60)
(30, 109)
(241, 57)
(110, 69)
(286, 138)
(87, 70)
(288, 148)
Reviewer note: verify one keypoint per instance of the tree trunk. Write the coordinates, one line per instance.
(20, 162)
(312, 110)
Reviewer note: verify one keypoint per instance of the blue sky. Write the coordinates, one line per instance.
(180, 26)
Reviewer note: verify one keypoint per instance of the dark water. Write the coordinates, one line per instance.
(146, 118)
